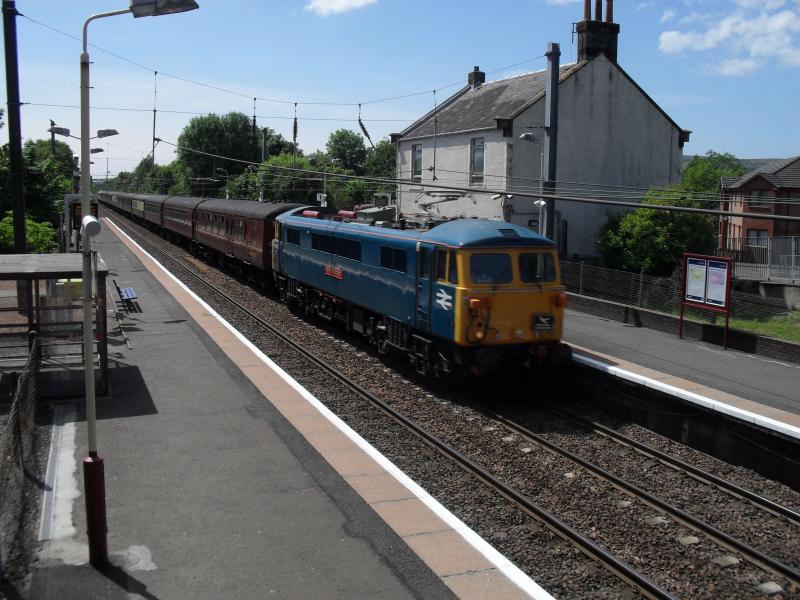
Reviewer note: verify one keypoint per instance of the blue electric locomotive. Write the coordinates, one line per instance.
(467, 293)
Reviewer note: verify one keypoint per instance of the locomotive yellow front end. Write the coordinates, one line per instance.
(511, 304)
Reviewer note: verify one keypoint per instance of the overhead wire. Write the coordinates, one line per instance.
(499, 192)
(262, 98)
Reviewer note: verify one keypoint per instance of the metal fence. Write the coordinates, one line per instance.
(17, 428)
(662, 294)
(764, 258)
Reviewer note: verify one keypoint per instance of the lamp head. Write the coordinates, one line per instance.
(59, 130)
(155, 8)
(90, 227)
(101, 133)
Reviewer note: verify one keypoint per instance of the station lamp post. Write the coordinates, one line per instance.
(93, 471)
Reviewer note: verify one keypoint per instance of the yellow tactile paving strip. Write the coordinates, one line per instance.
(694, 387)
(462, 568)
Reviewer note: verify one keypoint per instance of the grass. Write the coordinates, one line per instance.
(785, 327)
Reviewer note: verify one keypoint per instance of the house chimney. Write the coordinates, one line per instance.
(595, 36)
(476, 78)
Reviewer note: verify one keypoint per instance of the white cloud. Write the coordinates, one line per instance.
(736, 67)
(755, 31)
(668, 15)
(329, 7)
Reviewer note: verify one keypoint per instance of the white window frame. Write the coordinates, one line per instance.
(416, 176)
(476, 178)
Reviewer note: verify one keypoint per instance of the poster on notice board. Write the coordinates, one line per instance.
(696, 279)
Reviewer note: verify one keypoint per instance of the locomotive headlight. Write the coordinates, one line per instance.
(519, 334)
(479, 335)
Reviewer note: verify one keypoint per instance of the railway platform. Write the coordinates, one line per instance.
(747, 386)
(226, 480)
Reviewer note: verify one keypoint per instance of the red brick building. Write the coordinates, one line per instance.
(772, 189)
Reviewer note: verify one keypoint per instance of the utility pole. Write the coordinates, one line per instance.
(16, 188)
(550, 149)
(52, 139)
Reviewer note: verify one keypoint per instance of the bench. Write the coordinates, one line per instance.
(127, 295)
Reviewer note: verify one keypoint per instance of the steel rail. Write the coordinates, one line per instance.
(691, 470)
(753, 555)
(616, 566)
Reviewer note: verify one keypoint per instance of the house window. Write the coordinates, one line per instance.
(416, 162)
(759, 199)
(476, 160)
(757, 237)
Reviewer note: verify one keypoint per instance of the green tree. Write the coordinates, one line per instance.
(228, 135)
(381, 160)
(40, 237)
(43, 180)
(40, 150)
(703, 173)
(654, 240)
(348, 147)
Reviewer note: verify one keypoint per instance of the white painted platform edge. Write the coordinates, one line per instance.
(704, 401)
(503, 564)
(47, 517)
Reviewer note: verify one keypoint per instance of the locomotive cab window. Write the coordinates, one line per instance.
(292, 236)
(446, 266)
(536, 267)
(492, 268)
(393, 258)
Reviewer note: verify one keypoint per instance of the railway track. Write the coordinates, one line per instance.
(621, 569)
(721, 538)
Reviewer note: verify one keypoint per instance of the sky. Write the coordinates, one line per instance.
(728, 70)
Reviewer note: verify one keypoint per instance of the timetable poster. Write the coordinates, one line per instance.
(717, 283)
(696, 279)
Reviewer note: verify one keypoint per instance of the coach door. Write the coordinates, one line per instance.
(424, 270)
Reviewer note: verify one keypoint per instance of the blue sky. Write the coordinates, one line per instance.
(729, 70)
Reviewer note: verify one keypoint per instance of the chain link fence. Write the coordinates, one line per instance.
(661, 294)
(20, 463)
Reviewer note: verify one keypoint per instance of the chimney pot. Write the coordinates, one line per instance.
(476, 77)
(587, 10)
(598, 10)
(609, 11)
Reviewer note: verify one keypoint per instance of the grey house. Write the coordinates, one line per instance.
(610, 133)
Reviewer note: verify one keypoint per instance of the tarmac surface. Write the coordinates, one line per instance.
(756, 378)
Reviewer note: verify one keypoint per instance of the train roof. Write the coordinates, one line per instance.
(247, 208)
(184, 201)
(475, 233)
(460, 233)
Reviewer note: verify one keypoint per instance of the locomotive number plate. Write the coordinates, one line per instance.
(542, 322)
(335, 272)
